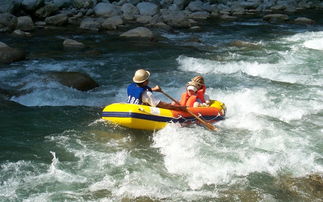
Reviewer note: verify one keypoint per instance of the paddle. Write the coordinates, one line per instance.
(206, 124)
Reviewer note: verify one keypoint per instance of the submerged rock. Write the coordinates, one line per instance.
(112, 23)
(70, 43)
(46, 11)
(275, 18)
(90, 24)
(9, 55)
(58, 19)
(61, 3)
(25, 23)
(304, 20)
(129, 11)
(5, 104)
(142, 32)
(147, 8)
(6, 93)
(76, 19)
(92, 53)
(239, 43)
(176, 18)
(3, 45)
(195, 6)
(199, 15)
(309, 188)
(144, 19)
(8, 22)
(228, 17)
(7, 6)
(20, 33)
(77, 80)
(105, 10)
(31, 4)
(84, 3)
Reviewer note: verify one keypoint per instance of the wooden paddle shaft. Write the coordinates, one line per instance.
(208, 125)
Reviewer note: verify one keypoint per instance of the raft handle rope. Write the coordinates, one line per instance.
(183, 118)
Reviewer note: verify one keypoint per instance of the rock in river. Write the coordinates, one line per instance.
(77, 80)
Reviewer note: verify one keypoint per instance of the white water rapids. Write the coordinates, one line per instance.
(273, 130)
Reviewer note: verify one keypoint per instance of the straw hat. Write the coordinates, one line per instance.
(141, 76)
(198, 79)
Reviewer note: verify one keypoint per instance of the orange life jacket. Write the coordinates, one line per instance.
(188, 100)
(200, 94)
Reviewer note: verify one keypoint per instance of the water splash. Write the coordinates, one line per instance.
(227, 158)
(316, 44)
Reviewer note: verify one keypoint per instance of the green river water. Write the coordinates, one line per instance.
(55, 147)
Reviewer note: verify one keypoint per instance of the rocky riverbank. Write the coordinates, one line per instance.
(134, 18)
(21, 16)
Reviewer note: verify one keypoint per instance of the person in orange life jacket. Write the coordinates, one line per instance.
(140, 93)
(189, 98)
(202, 97)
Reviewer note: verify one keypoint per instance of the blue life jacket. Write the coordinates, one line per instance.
(135, 93)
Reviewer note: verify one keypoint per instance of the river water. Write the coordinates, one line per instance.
(54, 147)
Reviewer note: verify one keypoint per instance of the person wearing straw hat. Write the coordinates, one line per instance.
(140, 93)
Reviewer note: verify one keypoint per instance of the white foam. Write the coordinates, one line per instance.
(40, 197)
(259, 135)
(137, 177)
(25, 175)
(311, 40)
(10, 175)
(254, 108)
(286, 70)
(39, 66)
(257, 143)
(304, 36)
(142, 183)
(243, 106)
(203, 159)
(97, 122)
(54, 94)
(204, 66)
(183, 150)
(316, 44)
(38, 90)
(59, 175)
(292, 66)
(107, 183)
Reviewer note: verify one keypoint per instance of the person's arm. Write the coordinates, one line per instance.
(156, 89)
(170, 106)
(207, 99)
(150, 99)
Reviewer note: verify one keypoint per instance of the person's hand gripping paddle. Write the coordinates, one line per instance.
(206, 124)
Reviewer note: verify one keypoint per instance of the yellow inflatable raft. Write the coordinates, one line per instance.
(153, 118)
